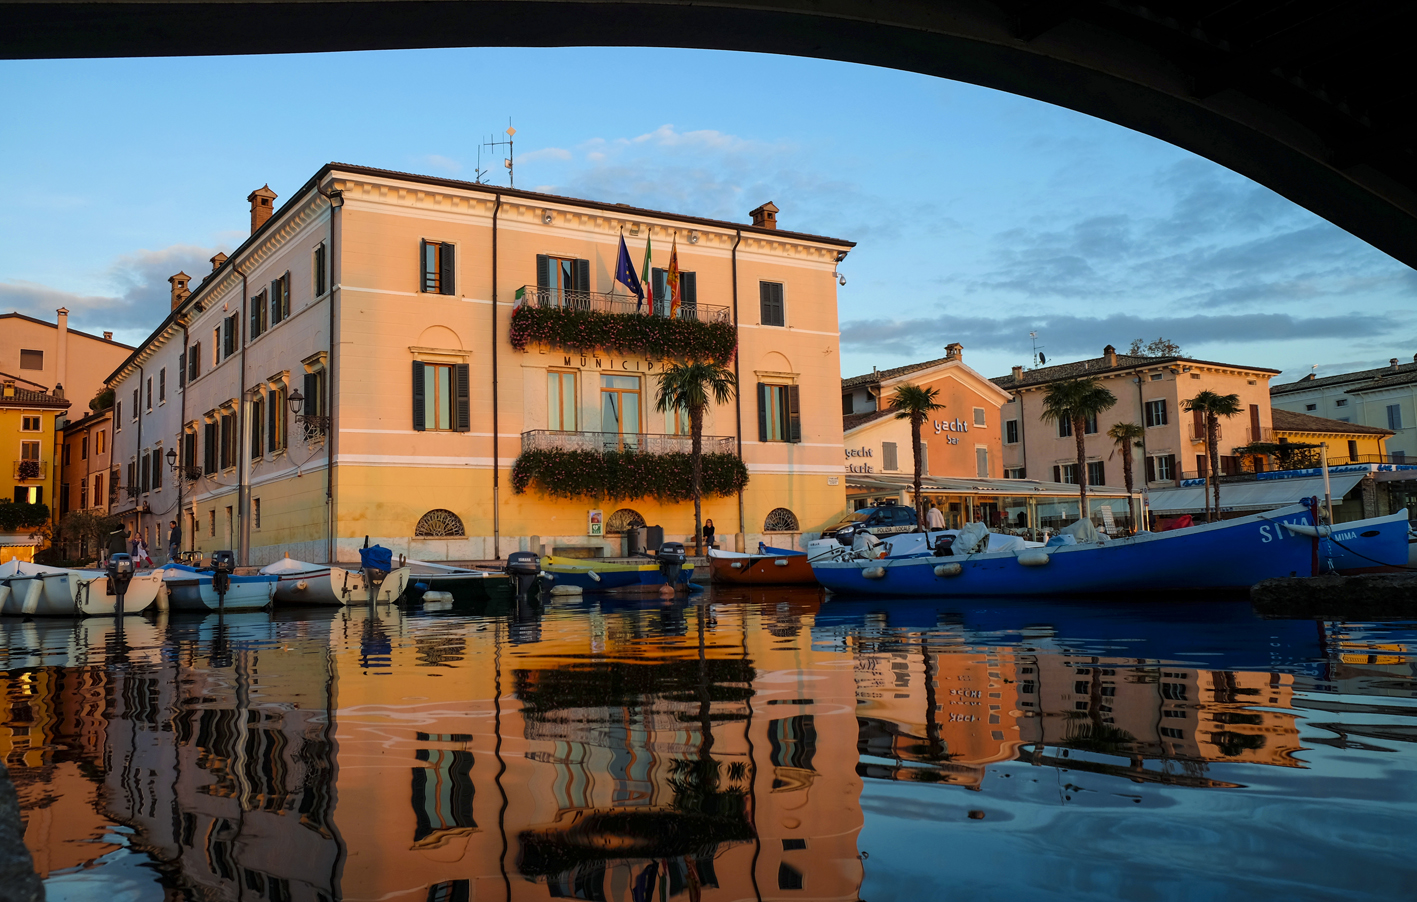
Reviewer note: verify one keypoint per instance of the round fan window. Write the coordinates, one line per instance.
(781, 520)
(624, 520)
(439, 523)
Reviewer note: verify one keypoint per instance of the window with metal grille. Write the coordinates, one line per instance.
(437, 259)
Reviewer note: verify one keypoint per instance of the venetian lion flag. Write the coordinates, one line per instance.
(647, 277)
(671, 278)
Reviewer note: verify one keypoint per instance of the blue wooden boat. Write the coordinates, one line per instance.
(190, 589)
(1231, 554)
(1363, 546)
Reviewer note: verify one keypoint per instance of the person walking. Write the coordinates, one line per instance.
(174, 541)
(708, 533)
(934, 519)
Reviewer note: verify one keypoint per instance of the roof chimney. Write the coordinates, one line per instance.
(765, 217)
(218, 260)
(108, 336)
(1392, 363)
(1110, 353)
(62, 363)
(1018, 373)
(58, 391)
(180, 291)
(1310, 378)
(954, 351)
(263, 204)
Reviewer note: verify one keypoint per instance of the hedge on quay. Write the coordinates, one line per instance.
(652, 336)
(15, 517)
(623, 475)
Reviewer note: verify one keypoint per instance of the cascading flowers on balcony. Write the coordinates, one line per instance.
(652, 336)
(624, 475)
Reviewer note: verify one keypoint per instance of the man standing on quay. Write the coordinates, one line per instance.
(174, 541)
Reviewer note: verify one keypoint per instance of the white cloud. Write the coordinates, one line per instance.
(440, 163)
(544, 153)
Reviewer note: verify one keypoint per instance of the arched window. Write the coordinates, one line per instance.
(439, 523)
(781, 520)
(624, 520)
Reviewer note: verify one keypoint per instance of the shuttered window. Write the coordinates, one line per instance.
(890, 458)
(189, 450)
(194, 361)
(438, 269)
(770, 302)
(144, 474)
(317, 268)
(275, 419)
(231, 335)
(1156, 412)
(182, 369)
(562, 281)
(779, 413)
(688, 293)
(209, 447)
(259, 315)
(280, 299)
(156, 463)
(228, 440)
(258, 410)
(981, 463)
(1096, 473)
(441, 397)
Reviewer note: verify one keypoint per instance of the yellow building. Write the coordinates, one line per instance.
(29, 439)
(1348, 443)
(473, 325)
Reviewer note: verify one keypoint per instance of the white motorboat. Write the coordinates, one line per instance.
(36, 590)
(446, 576)
(299, 582)
(190, 589)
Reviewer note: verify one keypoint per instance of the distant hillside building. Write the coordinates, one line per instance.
(1384, 398)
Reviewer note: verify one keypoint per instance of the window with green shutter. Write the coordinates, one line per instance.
(438, 269)
(770, 304)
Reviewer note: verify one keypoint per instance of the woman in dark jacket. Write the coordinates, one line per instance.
(708, 533)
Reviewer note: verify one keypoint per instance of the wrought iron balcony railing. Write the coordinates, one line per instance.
(1197, 433)
(31, 469)
(616, 303)
(191, 473)
(645, 442)
(313, 427)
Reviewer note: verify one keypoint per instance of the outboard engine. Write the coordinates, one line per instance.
(523, 568)
(671, 559)
(223, 565)
(942, 546)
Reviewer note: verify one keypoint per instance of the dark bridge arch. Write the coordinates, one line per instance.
(1313, 99)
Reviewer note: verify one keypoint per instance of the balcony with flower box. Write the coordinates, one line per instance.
(595, 320)
(624, 466)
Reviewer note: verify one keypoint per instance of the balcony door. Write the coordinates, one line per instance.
(620, 409)
(563, 281)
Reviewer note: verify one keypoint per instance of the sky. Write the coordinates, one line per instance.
(979, 216)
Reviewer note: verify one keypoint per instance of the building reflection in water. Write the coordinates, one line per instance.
(618, 751)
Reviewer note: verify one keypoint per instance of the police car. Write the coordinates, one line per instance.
(878, 521)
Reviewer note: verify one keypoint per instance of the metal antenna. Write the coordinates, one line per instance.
(507, 161)
(479, 174)
(1037, 357)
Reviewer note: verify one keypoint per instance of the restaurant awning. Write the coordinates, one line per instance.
(1250, 496)
(956, 485)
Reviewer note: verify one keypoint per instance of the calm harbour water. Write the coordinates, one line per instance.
(746, 745)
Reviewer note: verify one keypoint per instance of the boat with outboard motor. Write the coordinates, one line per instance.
(591, 575)
(298, 582)
(1230, 554)
(768, 567)
(36, 590)
(191, 589)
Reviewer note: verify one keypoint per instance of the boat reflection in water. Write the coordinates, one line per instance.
(749, 747)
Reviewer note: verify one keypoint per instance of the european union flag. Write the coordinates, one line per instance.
(625, 274)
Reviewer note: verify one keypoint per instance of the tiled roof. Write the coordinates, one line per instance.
(851, 420)
(882, 375)
(18, 315)
(1289, 421)
(1097, 366)
(1379, 374)
(24, 398)
(1399, 378)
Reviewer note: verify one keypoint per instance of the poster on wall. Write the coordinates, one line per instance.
(596, 523)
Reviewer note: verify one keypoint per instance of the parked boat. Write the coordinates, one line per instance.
(190, 589)
(769, 567)
(298, 582)
(1230, 554)
(603, 576)
(447, 578)
(1363, 546)
(36, 590)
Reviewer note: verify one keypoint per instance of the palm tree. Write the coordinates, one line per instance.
(691, 387)
(913, 403)
(1075, 401)
(1126, 435)
(1213, 406)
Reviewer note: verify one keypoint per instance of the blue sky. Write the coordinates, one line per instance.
(980, 216)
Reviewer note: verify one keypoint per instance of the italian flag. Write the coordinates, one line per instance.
(645, 277)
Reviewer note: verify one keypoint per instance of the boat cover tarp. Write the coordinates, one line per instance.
(1083, 531)
(290, 565)
(1253, 496)
(376, 557)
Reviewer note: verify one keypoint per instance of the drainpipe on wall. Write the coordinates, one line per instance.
(1140, 516)
(738, 395)
(181, 436)
(243, 453)
(138, 451)
(336, 199)
(496, 428)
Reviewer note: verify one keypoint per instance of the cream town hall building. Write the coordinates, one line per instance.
(379, 354)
